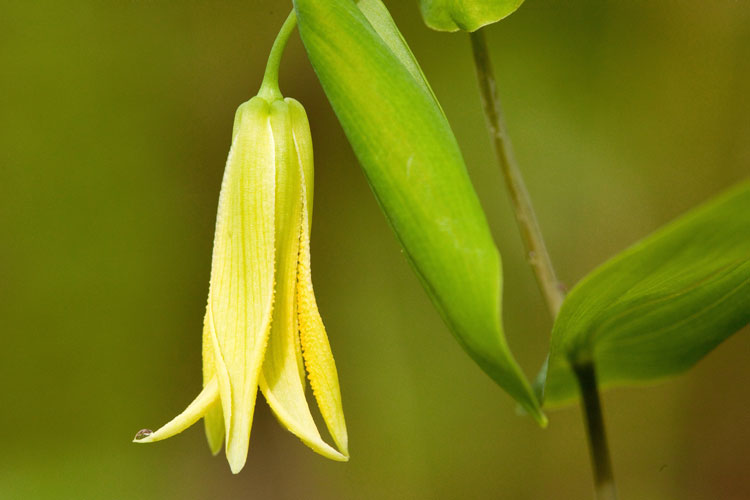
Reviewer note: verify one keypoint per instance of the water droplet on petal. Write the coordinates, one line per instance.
(142, 434)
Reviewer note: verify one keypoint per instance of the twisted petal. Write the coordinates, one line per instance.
(319, 362)
(208, 397)
(317, 352)
(283, 382)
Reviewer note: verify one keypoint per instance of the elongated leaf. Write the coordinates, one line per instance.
(415, 168)
(382, 22)
(660, 306)
(466, 15)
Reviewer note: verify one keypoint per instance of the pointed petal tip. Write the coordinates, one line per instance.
(236, 464)
(236, 456)
(215, 447)
(342, 443)
(335, 455)
(341, 439)
(325, 450)
(214, 429)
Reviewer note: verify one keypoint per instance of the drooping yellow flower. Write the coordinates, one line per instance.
(262, 327)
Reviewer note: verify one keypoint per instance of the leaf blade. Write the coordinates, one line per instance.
(415, 168)
(657, 308)
(466, 15)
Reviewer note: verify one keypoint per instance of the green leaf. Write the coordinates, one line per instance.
(382, 22)
(414, 166)
(466, 15)
(656, 309)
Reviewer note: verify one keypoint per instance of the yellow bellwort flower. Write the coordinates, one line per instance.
(262, 327)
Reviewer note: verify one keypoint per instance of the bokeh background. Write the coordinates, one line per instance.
(115, 121)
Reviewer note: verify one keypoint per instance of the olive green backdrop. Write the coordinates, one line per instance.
(115, 121)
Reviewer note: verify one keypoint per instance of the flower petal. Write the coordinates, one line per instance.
(317, 352)
(242, 273)
(195, 410)
(283, 382)
(213, 420)
(303, 145)
(321, 367)
(288, 209)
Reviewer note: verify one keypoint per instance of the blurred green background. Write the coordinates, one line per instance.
(115, 121)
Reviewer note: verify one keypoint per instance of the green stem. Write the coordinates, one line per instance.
(269, 88)
(592, 408)
(540, 261)
(531, 235)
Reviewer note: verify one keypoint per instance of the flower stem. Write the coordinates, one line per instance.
(536, 250)
(540, 262)
(603, 479)
(269, 88)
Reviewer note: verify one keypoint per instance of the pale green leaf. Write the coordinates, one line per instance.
(415, 168)
(659, 307)
(466, 15)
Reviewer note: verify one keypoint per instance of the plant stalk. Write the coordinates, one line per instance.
(592, 408)
(540, 262)
(533, 241)
(269, 88)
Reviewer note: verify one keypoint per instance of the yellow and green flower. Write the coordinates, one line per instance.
(262, 328)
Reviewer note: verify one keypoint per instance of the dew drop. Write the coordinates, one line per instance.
(142, 434)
